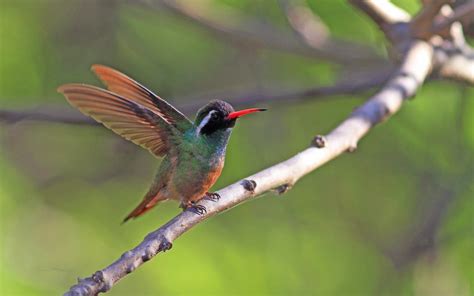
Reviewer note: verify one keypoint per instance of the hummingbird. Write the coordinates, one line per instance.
(192, 152)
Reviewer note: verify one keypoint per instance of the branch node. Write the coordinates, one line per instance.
(165, 245)
(98, 277)
(148, 254)
(386, 111)
(249, 185)
(352, 148)
(282, 189)
(319, 141)
(132, 267)
(127, 254)
(104, 284)
(79, 290)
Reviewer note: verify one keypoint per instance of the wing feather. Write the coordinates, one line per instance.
(131, 120)
(125, 86)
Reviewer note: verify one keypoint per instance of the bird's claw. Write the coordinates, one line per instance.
(199, 209)
(213, 196)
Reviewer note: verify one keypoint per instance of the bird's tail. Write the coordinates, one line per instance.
(147, 204)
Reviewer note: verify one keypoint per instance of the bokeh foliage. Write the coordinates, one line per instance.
(364, 224)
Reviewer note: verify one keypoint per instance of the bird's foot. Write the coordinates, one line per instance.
(198, 209)
(212, 196)
(192, 206)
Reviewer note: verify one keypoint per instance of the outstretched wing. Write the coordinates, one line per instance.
(127, 118)
(125, 86)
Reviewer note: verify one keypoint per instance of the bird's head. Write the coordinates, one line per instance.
(219, 115)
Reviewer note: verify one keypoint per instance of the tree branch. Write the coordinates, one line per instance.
(391, 20)
(453, 58)
(422, 23)
(459, 66)
(382, 12)
(405, 82)
(463, 14)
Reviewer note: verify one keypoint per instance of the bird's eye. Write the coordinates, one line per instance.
(214, 115)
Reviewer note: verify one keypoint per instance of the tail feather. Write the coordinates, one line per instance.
(157, 192)
(146, 205)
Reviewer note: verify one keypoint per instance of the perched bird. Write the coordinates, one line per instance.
(193, 153)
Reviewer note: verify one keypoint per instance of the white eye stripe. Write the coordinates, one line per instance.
(205, 120)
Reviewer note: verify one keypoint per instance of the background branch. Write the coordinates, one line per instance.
(239, 99)
(305, 22)
(313, 32)
(231, 25)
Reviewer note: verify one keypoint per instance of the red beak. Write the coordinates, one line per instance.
(240, 113)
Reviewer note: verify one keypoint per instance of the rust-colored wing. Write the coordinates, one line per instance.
(125, 86)
(127, 118)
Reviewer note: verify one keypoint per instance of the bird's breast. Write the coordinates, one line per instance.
(209, 179)
(196, 174)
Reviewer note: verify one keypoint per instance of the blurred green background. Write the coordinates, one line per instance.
(393, 218)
